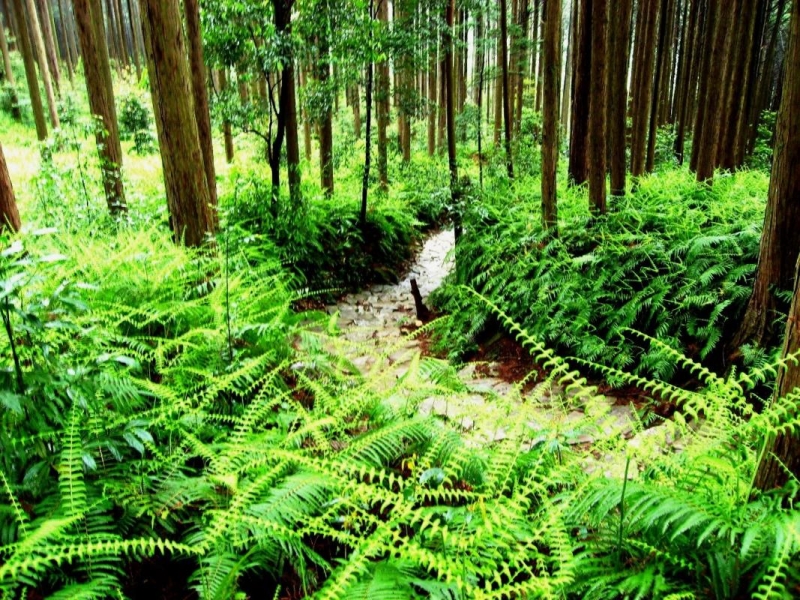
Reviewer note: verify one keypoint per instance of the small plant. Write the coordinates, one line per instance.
(134, 123)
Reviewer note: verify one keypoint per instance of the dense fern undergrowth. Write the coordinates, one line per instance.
(166, 412)
(172, 428)
(673, 259)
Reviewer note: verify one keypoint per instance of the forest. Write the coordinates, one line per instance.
(400, 299)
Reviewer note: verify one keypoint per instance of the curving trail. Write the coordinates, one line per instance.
(377, 338)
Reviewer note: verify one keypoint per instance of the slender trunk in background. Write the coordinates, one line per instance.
(16, 114)
(69, 58)
(326, 121)
(643, 95)
(780, 460)
(24, 43)
(226, 124)
(700, 121)
(49, 44)
(123, 44)
(134, 49)
(596, 151)
(382, 104)
(288, 101)
(498, 94)
(432, 106)
(569, 81)
(38, 42)
(750, 91)
(450, 110)
(551, 56)
(578, 168)
(658, 82)
(197, 68)
(97, 73)
(765, 74)
(735, 95)
(367, 151)
(184, 176)
(9, 214)
(620, 24)
(441, 144)
(534, 51)
(477, 66)
(522, 65)
(506, 89)
(306, 119)
(356, 102)
(687, 84)
(707, 142)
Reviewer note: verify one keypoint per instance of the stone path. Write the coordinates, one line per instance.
(377, 338)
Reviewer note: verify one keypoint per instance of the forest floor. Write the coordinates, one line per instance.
(501, 386)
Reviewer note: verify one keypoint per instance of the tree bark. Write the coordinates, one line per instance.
(432, 106)
(450, 110)
(621, 11)
(323, 73)
(38, 41)
(552, 78)
(382, 104)
(578, 169)
(368, 149)
(643, 95)
(688, 83)
(780, 240)
(661, 62)
(134, 49)
(24, 43)
(199, 76)
(596, 154)
(506, 89)
(186, 185)
(226, 125)
(97, 73)
(16, 113)
(782, 453)
(49, 43)
(9, 215)
(708, 141)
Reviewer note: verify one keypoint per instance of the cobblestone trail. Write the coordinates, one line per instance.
(375, 330)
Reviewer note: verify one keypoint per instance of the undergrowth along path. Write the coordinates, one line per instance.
(379, 336)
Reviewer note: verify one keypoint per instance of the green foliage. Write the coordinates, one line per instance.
(674, 260)
(321, 240)
(134, 123)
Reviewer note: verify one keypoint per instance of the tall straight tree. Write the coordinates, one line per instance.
(97, 72)
(9, 214)
(382, 102)
(188, 197)
(38, 42)
(191, 9)
(49, 43)
(24, 43)
(450, 107)
(643, 90)
(287, 108)
(782, 453)
(619, 32)
(711, 102)
(506, 88)
(9, 74)
(597, 108)
(323, 73)
(578, 168)
(780, 240)
(551, 56)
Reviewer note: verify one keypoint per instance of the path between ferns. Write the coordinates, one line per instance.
(377, 329)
